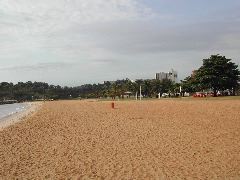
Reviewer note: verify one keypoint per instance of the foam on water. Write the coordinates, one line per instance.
(10, 109)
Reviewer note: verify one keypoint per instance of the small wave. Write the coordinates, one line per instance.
(7, 110)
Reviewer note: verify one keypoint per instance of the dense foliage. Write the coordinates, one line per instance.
(216, 74)
(39, 90)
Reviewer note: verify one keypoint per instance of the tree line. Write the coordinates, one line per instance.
(216, 74)
(117, 89)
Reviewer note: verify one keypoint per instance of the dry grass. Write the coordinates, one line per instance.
(138, 140)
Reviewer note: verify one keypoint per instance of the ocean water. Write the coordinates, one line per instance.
(10, 109)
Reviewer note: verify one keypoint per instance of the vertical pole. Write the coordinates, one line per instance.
(180, 89)
(140, 93)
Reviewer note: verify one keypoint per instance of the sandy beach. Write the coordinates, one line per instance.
(166, 139)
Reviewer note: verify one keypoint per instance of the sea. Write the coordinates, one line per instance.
(10, 109)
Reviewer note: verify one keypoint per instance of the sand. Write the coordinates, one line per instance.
(166, 139)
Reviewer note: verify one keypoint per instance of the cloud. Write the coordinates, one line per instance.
(95, 40)
(48, 16)
(39, 67)
(57, 26)
(141, 37)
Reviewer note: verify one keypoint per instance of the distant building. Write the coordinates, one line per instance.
(172, 75)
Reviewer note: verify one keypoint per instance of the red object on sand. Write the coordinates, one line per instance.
(112, 105)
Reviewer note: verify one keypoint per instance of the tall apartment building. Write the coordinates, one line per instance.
(172, 75)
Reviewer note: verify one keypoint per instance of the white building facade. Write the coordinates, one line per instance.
(171, 75)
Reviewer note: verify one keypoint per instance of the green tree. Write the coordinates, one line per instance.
(218, 73)
(167, 85)
(156, 87)
(189, 84)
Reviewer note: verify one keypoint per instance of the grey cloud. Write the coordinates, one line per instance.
(142, 37)
(97, 40)
(39, 66)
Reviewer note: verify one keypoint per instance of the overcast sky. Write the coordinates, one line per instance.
(72, 42)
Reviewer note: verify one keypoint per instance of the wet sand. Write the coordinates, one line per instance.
(166, 139)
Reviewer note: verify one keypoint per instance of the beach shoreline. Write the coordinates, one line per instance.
(19, 116)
